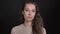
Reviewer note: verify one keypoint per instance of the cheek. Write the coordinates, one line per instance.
(25, 14)
(33, 15)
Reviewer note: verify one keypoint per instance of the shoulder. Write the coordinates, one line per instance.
(16, 28)
(44, 30)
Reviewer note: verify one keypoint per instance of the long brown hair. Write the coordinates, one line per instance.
(37, 22)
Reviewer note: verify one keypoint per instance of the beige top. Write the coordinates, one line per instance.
(21, 29)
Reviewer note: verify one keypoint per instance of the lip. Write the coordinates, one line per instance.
(29, 17)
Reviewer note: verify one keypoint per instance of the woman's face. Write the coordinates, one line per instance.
(29, 11)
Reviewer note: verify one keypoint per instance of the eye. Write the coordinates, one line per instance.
(26, 10)
(33, 11)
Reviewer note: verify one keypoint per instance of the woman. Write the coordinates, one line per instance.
(31, 21)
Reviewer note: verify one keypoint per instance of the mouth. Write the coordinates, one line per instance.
(29, 17)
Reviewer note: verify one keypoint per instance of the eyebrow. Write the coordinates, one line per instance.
(28, 8)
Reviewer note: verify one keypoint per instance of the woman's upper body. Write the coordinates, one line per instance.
(21, 29)
(32, 20)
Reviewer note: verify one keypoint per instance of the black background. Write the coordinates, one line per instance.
(48, 10)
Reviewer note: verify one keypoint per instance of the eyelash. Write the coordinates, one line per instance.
(28, 10)
(33, 11)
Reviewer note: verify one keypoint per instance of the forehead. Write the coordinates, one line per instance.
(30, 6)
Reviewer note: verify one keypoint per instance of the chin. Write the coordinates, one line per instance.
(29, 19)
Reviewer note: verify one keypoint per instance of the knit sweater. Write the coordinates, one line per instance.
(21, 29)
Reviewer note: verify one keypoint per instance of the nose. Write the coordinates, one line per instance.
(29, 13)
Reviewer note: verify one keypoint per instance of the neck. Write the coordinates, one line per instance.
(28, 23)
